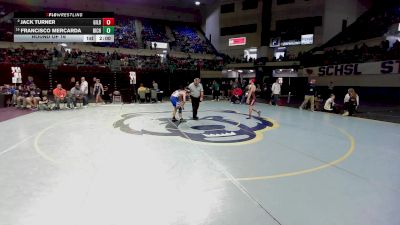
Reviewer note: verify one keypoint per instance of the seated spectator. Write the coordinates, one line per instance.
(34, 96)
(153, 31)
(187, 39)
(21, 96)
(351, 102)
(142, 93)
(258, 89)
(8, 92)
(5, 89)
(44, 104)
(236, 93)
(76, 94)
(318, 101)
(13, 91)
(60, 96)
(95, 58)
(29, 82)
(330, 105)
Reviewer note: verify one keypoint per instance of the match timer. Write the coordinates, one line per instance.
(64, 27)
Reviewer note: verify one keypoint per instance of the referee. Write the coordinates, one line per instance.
(196, 95)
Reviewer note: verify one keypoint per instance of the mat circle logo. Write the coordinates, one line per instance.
(213, 127)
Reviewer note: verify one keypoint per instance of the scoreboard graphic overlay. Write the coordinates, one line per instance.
(64, 27)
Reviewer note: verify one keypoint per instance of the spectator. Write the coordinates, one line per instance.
(258, 89)
(351, 102)
(330, 105)
(34, 96)
(107, 94)
(331, 88)
(215, 90)
(235, 84)
(187, 39)
(44, 104)
(72, 82)
(276, 91)
(8, 93)
(21, 96)
(76, 94)
(98, 91)
(236, 94)
(142, 92)
(60, 96)
(84, 91)
(13, 91)
(309, 95)
(29, 81)
(155, 85)
(318, 102)
(230, 89)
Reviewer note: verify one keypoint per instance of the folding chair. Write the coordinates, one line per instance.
(153, 95)
(142, 97)
(116, 98)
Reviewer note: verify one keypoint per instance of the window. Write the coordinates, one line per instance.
(227, 8)
(282, 2)
(242, 29)
(249, 4)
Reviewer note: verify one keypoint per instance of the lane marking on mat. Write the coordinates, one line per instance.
(39, 135)
(349, 151)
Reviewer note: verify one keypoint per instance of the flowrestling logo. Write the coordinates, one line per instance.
(212, 127)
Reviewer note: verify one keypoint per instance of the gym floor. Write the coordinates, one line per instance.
(129, 164)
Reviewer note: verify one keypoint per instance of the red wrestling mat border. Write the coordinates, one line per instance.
(10, 113)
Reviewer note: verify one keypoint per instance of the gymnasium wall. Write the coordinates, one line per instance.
(215, 20)
(338, 10)
(210, 25)
(332, 12)
(297, 10)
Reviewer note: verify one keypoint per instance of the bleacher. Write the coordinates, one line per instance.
(153, 31)
(373, 23)
(124, 34)
(187, 39)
